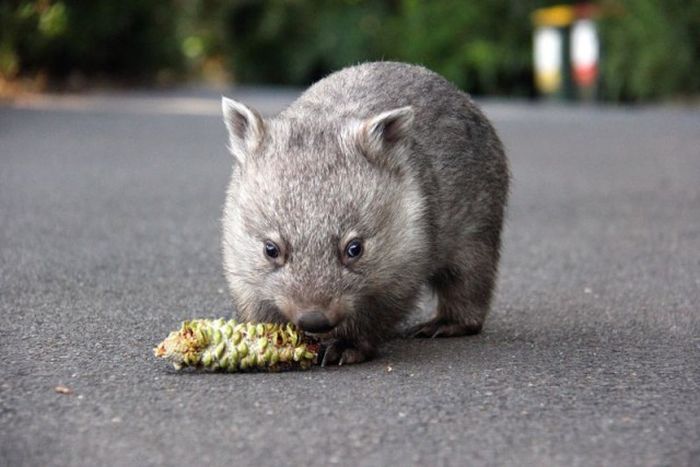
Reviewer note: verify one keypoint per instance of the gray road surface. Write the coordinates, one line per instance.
(109, 236)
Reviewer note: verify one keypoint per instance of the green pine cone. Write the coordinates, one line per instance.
(220, 345)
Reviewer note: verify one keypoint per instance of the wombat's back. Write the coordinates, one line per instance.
(364, 90)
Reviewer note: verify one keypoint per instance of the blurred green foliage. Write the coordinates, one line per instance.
(482, 46)
(297, 42)
(651, 47)
(127, 39)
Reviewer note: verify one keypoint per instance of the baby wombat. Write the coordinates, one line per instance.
(379, 179)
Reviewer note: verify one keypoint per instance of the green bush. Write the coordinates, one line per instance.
(482, 46)
(651, 49)
(131, 39)
(296, 42)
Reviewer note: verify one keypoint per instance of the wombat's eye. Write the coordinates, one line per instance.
(271, 249)
(353, 249)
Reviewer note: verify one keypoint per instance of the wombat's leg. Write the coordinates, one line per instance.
(344, 352)
(464, 292)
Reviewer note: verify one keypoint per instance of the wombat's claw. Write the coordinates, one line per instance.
(342, 353)
(439, 327)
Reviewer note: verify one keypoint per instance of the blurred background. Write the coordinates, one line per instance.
(612, 50)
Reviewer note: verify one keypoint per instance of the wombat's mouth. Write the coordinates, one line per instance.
(320, 336)
(315, 322)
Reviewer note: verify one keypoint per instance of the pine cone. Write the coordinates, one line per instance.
(220, 345)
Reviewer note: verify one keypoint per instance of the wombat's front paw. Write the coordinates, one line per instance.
(344, 352)
(441, 327)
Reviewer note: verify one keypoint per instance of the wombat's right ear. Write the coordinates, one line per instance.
(245, 128)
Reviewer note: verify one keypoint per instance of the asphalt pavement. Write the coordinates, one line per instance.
(109, 237)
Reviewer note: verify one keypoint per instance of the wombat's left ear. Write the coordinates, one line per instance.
(381, 136)
(245, 128)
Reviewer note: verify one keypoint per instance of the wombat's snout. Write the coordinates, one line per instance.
(314, 321)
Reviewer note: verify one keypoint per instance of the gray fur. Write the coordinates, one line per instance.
(387, 152)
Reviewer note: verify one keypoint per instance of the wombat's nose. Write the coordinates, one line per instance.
(314, 321)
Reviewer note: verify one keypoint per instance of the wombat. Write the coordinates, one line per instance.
(379, 179)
